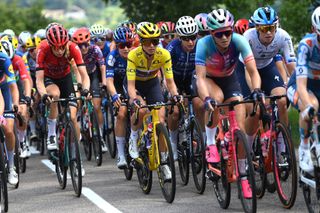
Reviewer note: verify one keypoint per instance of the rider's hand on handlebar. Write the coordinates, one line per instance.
(258, 95)
(85, 93)
(3, 120)
(135, 103)
(177, 98)
(116, 100)
(209, 103)
(46, 99)
(308, 113)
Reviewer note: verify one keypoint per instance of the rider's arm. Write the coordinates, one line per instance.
(24, 76)
(77, 56)
(75, 70)
(253, 73)
(131, 76)
(103, 74)
(288, 52)
(110, 75)
(1, 103)
(11, 81)
(40, 82)
(14, 93)
(201, 81)
(168, 74)
(84, 76)
(303, 92)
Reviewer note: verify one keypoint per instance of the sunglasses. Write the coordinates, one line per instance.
(98, 39)
(188, 38)
(148, 42)
(124, 45)
(32, 50)
(85, 45)
(169, 36)
(222, 33)
(266, 28)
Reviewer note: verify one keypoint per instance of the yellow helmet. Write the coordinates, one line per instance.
(12, 39)
(148, 30)
(30, 43)
(37, 40)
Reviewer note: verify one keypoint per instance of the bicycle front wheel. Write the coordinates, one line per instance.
(144, 173)
(3, 184)
(284, 166)
(74, 158)
(198, 161)
(109, 133)
(246, 177)
(17, 159)
(166, 170)
(183, 160)
(96, 138)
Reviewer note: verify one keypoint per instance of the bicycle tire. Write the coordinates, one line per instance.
(310, 197)
(170, 191)
(197, 159)
(259, 167)
(249, 205)
(74, 158)
(128, 171)
(221, 185)
(109, 133)
(284, 173)
(43, 136)
(86, 145)
(16, 160)
(96, 138)
(3, 184)
(183, 160)
(143, 172)
(23, 164)
(61, 169)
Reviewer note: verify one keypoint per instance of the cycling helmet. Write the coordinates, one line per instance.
(251, 23)
(41, 33)
(31, 43)
(315, 19)
(9, 32)
(265, 16)
(81, 35)
(148, 30)
(7, 48)
(219, 18)
(12, 39)
(57, 35)
(186, 26)
(201, 20)
(97, 30)
(129, 24)
(167, 28)
(24, 36)
(241, 26)
(123, 34)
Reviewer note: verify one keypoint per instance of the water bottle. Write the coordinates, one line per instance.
(225, 146)
(149, 133)
(264, 138)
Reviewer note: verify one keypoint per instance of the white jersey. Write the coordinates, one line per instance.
(263, 55)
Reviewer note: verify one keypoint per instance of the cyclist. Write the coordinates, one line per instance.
(216, 58)
(144, 63)
(9, 32)
(133, 27)
(266, 40)
(23, 38)
(8, 86)
(98, 37)
(167, 33)
(304, 88)
(96, 68)
(183, 51)
(116, 73)
(53, 77)
(24, 82)
(201, 20)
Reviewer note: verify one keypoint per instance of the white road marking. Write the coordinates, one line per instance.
(88, 193)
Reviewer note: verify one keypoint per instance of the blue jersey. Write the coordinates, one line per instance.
(105, 50)
(222, 64)
(183, 63)
(116, 67)
(6, 70)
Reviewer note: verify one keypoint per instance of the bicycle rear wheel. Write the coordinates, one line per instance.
(3, 179)
(166, 170)
(16, 159)
(61, 169)
(197, 159)
(284, 166)
(249, 203)
(96, 138)
(74, 158)
(259, 167)
(128, 171)
(109, 133)
(183, 160)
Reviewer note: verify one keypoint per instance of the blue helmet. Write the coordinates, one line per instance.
(122, 34)
(265, 16)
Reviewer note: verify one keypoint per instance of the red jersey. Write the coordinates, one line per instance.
(20, 68)
(57, 67)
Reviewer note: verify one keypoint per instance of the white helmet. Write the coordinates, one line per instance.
(97, 30)
(7, 48)
(9, 32)
(41, 33)
(315, 19)
(23, 38)
(186, 26)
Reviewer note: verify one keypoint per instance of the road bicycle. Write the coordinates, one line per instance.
(108, 126)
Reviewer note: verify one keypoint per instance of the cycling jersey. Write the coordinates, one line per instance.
(265, 54)
(93, 58)
(106, 49)
(116, 66)
(19, 68)
(57, 67)
(138, 69)
(6, 70)
(183, 63)
(222, 64)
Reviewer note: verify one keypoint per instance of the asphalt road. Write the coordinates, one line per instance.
(105, 189)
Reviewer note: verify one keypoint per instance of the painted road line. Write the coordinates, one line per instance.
(98, 201)
(53, 167)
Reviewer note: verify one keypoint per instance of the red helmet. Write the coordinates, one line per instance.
(167, 27)
(241, 26)
(81, 35)
(57, 35)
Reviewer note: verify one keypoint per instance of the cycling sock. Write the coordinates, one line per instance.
(20, 135)
(101, 131)
(51, 127)
(134, 135)
(303, 141)
(121, 141)
(250, 139)
(211, 134)
(10, 159)
(242, 166)
(173, 136)
(32, 124)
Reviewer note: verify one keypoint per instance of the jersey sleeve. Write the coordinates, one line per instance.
(131, 66)
(167, 66)
(23, 72)
(9, 72)
(244, 48)
(201, 51)
(288, 50)
(110, 65)
(302, 60)
(75, 53)
(40, 57)
(277, 57)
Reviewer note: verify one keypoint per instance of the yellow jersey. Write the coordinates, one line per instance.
(137, 65)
